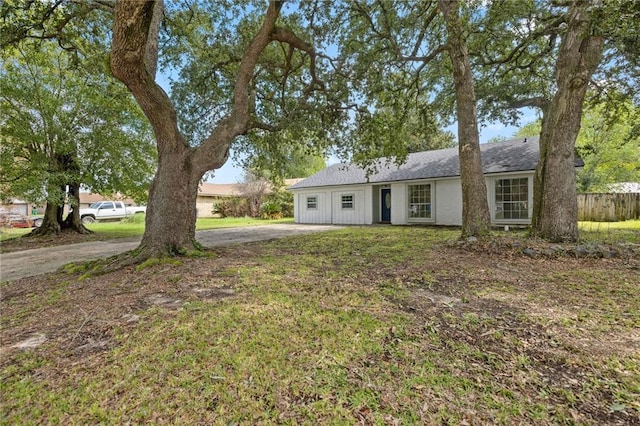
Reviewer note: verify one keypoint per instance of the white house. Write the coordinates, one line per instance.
(425, 189)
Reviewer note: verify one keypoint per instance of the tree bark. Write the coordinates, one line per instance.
(50, 224)
(476, 219)
(555, 209)
(171, 208)
(72, 222)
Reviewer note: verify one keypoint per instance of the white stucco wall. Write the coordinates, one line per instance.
(399, 203)
(448, 202)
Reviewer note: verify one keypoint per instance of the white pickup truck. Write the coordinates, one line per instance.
(109, 210)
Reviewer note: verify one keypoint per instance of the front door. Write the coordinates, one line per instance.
(385, 205)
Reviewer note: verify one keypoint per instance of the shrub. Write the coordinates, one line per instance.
(232, 207)
(270, 210)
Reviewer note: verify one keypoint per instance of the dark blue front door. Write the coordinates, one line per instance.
(385, 202)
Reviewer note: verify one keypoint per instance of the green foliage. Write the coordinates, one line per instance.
(61, 127)
(203, 45)
(284, 200)
(283, 160)
(530, 129)
(232, 207)
(270, 210)
(609, 147)
(397, 72)
(607, 143)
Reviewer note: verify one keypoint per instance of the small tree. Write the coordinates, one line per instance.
(254, 188)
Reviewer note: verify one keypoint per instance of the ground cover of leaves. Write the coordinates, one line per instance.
(365, 325)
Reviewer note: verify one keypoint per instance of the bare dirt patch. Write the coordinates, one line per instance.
(28, 242)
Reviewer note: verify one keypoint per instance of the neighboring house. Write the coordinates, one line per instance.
(425, 189)
(210, 193)
(16, 206)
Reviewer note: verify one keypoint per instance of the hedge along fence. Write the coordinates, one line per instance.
(612, 207)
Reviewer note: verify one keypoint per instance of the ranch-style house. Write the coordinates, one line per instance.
(426, 189)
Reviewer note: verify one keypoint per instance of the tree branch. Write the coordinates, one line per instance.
(214, 151)
(285, 35)
(538, 102)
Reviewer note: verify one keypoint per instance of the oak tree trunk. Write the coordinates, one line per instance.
(476, 219)
(72, 222)
(171, 210)
(555, 209)
(171, 207)
(50, 224)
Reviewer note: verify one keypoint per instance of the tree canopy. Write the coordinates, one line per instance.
(66, 122)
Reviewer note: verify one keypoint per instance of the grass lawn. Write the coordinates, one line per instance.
(135, 227)
(363, 325)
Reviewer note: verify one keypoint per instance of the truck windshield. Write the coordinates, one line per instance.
(95, 205)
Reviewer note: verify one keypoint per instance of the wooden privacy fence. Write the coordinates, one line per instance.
(612, 207)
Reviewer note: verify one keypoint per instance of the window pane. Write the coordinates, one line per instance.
(312, 202)
(420, 201)
(347, 201)
(511, 198)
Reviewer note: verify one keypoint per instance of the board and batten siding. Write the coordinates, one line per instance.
(360, 214)
(446, 202)
(330, 207)
(322, 212)
(399, 203)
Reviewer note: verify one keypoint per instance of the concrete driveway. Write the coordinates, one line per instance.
(44, 260)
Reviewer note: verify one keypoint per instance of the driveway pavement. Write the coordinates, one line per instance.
(44, 260)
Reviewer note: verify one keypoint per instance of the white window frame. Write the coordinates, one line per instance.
(430, 203)
(314, 202)
(499, 204)
(352, 202)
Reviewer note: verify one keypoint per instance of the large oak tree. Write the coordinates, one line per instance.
(546, 55)
(183, 157)
(410, 59)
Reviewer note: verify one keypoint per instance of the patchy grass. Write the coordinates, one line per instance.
(370, 325)
(627, 231)
(10, 233)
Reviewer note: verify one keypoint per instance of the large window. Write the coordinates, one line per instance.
(312, 203)
(420, 201)
(347, 201)
(512, 198)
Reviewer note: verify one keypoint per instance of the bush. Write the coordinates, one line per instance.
(270, 210)
(285, 200)
(232, 207)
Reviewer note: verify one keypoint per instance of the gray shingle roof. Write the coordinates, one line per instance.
(506, 156)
